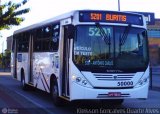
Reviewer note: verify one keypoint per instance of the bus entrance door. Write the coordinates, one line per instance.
(65, 70)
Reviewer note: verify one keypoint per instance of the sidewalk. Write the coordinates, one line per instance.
(156, 78)
(4, 72)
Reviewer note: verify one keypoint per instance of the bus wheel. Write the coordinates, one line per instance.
(24, 86)
(54, 94)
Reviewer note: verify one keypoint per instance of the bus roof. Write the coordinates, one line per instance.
(64, 16)
(54, 19)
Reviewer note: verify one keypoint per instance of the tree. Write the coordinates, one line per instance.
(10, 15)
(5, 59)
(0, 60)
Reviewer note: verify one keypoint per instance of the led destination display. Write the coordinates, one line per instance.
(110, 17)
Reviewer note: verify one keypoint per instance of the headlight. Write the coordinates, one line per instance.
(73, 77)
(80, 80)
(142, 81)
(84, 82)
(144, 78)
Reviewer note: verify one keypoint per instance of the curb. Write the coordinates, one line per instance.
(5, 73)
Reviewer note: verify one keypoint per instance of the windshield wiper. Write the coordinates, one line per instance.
(123, 38)
(106, 38)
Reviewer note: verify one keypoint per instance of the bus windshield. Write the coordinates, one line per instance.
(111, 47)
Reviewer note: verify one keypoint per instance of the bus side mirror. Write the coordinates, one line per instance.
(70, 31)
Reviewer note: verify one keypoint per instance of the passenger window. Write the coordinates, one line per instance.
(47, 38)
(47, 32)
(23, 42)
(55, 38)
(13, 43)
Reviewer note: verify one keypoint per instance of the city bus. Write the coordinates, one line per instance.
(84, 55)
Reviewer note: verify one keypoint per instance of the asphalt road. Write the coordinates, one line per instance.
(16, 101)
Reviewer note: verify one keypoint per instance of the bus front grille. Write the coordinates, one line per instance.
(113, 77)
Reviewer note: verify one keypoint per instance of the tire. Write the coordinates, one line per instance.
(57, 101)
(23, 84)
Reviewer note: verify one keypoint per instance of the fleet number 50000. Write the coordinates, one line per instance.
(125, 83)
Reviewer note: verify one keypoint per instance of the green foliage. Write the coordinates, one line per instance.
(1, 60)
(10, 15)
(5, 59)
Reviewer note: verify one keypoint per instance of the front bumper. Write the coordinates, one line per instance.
(78, 92)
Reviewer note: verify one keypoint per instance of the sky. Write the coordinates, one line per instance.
(41, 10)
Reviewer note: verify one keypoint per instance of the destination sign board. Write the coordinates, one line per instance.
(110, 17)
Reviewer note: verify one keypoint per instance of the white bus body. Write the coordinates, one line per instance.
(51, 56)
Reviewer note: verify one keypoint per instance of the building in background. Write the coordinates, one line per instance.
(9, 43)
(154, 42)
(7, 54)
